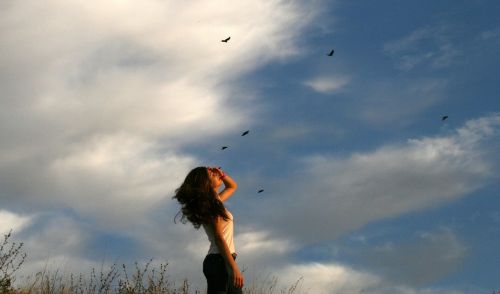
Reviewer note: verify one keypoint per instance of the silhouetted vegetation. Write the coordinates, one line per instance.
(11, 259)
(115, 280)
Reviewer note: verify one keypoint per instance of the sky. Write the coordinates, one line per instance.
(107, 105)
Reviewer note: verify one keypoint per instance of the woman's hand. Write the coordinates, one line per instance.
(238, 278)
(229, 184)
(218, 171)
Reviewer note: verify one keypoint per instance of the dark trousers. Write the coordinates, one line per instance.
(218, 278)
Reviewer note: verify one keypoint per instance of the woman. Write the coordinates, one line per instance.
(202, 205)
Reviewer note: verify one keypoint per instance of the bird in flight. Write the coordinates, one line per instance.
(444, 117)
(223, 147)
(260, 191)
(331, 53)
(245, 133)
(226, 39)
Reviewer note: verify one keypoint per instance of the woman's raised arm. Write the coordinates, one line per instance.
(230, 186)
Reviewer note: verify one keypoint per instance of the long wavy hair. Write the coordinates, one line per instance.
(198, 200)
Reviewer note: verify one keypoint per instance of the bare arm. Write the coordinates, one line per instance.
(230, 186)
(226, 254)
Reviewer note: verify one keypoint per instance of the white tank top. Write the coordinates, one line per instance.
(227, 233)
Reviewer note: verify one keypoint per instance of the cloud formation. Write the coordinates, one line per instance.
(425, 258)
(339, 195)
(407, 51)
(99, 102)
(113, 92)
(12, 221)
(102, 101)
(327, 84)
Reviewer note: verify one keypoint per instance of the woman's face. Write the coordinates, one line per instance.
(214, 177)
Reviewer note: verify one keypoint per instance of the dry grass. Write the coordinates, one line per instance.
(11, 259)
(115, 280)
(145, 280)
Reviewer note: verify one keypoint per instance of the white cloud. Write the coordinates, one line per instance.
(12, 221)
(58, 235)
(328, 278)
(100, 99)
(111, 92)
(158, 69)
(332, 277)
(260, 251)
(116, 179)
(347, 193)
(258, 242)
(327, 84)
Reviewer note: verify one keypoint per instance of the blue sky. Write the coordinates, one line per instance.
(107, 106)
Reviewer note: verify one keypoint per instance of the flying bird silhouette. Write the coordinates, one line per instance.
(245, 133)
(223, 147)
(444, 117)
(226, 39)
(260, 191)
(331, 53)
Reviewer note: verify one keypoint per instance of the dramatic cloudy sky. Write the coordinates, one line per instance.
(106, 105)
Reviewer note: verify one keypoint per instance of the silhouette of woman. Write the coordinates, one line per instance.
(202, 205)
